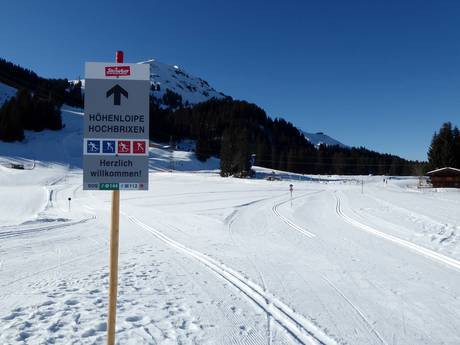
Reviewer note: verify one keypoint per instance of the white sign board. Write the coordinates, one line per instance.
(116, 126)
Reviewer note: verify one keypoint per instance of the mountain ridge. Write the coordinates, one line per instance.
(190, 88)
(319, 138)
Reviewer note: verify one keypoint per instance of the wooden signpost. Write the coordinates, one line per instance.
(116, 141)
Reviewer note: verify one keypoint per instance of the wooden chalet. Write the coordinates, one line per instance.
(445, 178)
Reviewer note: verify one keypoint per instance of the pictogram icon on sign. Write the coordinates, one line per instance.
(124, 146)
(93, 146)
(108, 146)
(138, 146)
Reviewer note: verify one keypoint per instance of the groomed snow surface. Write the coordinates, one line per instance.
(210, 260)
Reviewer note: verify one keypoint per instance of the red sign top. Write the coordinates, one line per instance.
(117, 71)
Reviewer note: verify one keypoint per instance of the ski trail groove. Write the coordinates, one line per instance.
(452, 263)
(233, 218)
(288, 222)
(34, 230)
(342, 295)
(297, 325)
(360, 313)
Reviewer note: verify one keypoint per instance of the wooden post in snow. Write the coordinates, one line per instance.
(113, 256)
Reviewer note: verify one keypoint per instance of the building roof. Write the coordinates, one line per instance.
(447, 171)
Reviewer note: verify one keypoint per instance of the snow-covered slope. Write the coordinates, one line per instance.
(211, 260)
(6, 92)
(65, 148)
(192, 89)
(62, 147)
(321, 138)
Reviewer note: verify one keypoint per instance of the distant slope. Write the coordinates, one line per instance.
(321, 138)
(18, 77)
(192, 89)
(40, 147)
(6, 92)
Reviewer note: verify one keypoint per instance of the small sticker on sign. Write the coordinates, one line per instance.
(117, 71)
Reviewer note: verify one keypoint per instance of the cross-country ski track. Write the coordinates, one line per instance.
(406, 244)
(298, 326)
(211, 260)
(287, 221)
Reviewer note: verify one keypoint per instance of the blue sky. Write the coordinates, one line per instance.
(382, 74)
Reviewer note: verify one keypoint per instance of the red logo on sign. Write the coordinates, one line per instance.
(124, 146)
(117, 71)
(139, 147)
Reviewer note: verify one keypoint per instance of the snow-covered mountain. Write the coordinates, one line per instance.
(164, 77)
(6, 92)
(321, 138)
(192, 89)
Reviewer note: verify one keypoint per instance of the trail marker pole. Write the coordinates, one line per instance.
(69, 202)
(113, 277)
(113, 255)
(291, 189)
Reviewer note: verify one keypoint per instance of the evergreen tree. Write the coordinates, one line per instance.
(235, 129)
(172, 99)
(442, 150)
(19, 78)
(263, 152)
(456, 137)
(75, 91)
(338, 163)
(291, 164)
(11, 127)
(53, 116)
(226, 153)
(25, 108)
(39, 111)
(241, 155)
(202, 150)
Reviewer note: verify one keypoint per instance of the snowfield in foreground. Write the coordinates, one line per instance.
(208, 260)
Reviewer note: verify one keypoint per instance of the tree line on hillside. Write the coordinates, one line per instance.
(444, 150)
(27, 112)
(226, 128)
(61, 90)
(235, 130)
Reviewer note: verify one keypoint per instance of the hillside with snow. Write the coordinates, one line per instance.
(6, 92)
(320, 138)
(65, 148)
